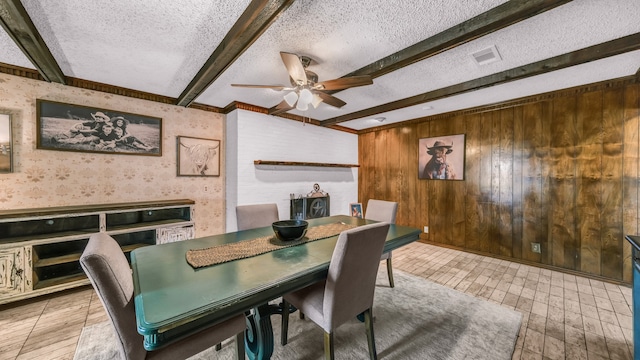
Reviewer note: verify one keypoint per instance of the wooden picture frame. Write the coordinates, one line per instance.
(441, 157)
(198, 156)
(6, 142)
(68, 127)
(355, 209)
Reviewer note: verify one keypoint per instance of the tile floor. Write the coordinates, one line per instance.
(564, 316)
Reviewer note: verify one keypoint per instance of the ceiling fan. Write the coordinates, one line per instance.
(305, 89)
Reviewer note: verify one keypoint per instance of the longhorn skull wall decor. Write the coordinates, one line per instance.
(198, 157)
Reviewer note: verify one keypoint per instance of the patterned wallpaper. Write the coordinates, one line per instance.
(46, 178)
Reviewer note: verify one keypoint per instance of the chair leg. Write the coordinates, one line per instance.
(328, 346)
(285, 323)
(301, 315)
(390, 272)
(368, 322)
(240, 355)
(218, 346)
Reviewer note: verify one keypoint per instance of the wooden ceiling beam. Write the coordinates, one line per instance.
(17, 23)
(490, 21)
(256, 18)
(582, 56)
(495, 19)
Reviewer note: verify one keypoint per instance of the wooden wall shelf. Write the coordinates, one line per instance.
(296, 163)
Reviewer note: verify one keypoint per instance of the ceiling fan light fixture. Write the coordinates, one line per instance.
(316, 101)
(291, 98)
(302, 106)
(306, 96)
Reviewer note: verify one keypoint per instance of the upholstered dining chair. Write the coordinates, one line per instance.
(348, 289)
(255, 216)
(106, 266)
(381, 210)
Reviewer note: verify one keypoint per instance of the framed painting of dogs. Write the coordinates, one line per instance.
(198, 157)
(441, 157)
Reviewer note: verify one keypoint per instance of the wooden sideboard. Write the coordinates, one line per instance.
(40, 248)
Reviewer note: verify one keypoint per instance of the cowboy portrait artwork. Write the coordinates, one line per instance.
(69, 127)
(441, 158)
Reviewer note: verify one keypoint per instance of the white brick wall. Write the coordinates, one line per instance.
(251, 136)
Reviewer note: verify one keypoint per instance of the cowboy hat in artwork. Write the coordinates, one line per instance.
(437, 167)
(100, 116)
(439, 144)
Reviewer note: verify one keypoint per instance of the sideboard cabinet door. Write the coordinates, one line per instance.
(15, 270)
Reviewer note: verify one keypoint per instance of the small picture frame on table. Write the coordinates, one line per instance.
(356, 210)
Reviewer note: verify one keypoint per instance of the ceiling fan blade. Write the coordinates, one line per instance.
(294, 67)
(344, 83)
(330, 99)
(273, 87)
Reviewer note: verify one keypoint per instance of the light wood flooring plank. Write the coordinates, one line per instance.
(64, 349)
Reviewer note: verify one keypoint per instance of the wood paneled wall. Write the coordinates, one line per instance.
(558, 169)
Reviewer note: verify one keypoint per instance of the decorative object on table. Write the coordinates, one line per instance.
(381, 210)
(355, 209)
(317, 192)
(314, 205)
(67, 127)
(6, 151)
(441, 157)
(198, 156)
(290, 230)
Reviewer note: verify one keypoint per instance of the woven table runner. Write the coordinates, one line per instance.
(228, 252)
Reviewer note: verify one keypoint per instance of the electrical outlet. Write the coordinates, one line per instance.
(206, 188)
(535, 247)
(426, 229)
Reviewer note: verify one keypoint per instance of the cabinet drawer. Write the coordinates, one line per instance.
(173, 234)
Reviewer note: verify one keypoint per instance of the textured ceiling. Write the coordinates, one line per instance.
(159, 46)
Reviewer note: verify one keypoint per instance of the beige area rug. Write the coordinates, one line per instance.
(417, 319)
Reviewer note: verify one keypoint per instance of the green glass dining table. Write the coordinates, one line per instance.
(174, 300)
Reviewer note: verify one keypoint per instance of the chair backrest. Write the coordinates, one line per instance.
(352, 273)
(255, 216)
(381, 210)
(106, 266)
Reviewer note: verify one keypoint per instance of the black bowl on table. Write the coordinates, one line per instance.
(290, 230)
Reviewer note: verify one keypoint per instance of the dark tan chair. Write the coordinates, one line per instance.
(348, 289)
(380, 210)
(106, 266)
(255, 216)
